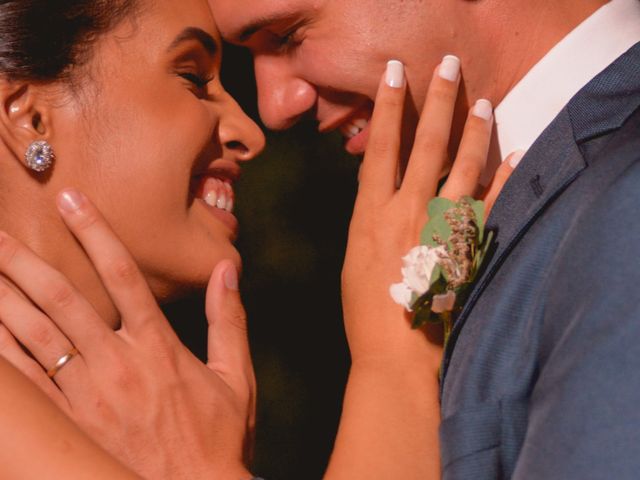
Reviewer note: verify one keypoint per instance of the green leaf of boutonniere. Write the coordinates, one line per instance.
(438, 206)
(457, 229)
(478, 210)
(437, 226)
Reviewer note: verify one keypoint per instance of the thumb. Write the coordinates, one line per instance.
(228, 345)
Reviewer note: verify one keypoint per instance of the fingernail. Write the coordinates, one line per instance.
(483, 109)
(395, 74)
(231, 277)
(450, 68)
(516, 157)
(70, 200)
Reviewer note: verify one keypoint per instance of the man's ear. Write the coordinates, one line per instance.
(24, 116)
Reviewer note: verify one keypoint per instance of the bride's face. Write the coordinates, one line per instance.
(151, 134)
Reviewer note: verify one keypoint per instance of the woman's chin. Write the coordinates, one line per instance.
(172, 293)
(173, 287)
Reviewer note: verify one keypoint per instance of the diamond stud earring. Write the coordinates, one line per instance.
(39, 156)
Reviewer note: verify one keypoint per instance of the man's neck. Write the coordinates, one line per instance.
(509, 43)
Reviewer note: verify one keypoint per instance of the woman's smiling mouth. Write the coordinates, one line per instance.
(214, 189)
(218, 193)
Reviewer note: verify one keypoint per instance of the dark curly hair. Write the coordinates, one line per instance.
(42, 40)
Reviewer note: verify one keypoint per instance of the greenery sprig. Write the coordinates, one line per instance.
(438, 274)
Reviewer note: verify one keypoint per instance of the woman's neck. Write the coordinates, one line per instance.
(28, 213)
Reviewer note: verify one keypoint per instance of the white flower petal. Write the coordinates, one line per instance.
(417, 281)
(401, 294)
(418, 268)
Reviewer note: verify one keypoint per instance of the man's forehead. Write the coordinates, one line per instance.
(239, 19)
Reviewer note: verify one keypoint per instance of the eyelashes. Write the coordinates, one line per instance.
(197, 80)
(289, 40)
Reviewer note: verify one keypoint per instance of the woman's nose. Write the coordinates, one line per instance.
(241, 138)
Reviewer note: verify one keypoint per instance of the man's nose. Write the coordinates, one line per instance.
(283, 98)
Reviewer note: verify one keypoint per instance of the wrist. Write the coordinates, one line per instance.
(392, 374)
(389, 423)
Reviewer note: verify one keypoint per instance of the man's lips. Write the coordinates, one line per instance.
(357, 144)
(354, 128)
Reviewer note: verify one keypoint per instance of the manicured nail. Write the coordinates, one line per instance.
(483, 109)
(395, 74)
(231, 277)
(70, 200)
(450, 68)
(516, 157)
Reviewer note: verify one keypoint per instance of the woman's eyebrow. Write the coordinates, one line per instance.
(195, 33)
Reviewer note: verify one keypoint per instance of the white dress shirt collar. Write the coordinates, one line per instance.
(545, 90)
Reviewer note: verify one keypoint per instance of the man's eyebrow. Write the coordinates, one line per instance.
(195, 33)
(260, 23)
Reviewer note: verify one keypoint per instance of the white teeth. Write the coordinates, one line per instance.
(211, 198)
(361, 123)
(222, 202)
(219, 195)
(353, 128)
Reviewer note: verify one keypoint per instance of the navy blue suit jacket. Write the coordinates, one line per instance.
(542, 373)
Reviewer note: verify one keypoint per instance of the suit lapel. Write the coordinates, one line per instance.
(553, 163)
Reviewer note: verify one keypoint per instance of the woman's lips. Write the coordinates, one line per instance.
(223, 216)
(218, 197)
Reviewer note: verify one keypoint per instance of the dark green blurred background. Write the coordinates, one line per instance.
(294, 203)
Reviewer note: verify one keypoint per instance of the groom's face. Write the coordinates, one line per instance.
(324, 58)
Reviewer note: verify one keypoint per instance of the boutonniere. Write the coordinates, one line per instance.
(438, 273)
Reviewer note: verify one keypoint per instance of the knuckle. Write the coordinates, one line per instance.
(61, 296)
(445, 92)
(149, 319)
(379, 145)
(470, 167)
(391, 100)
(42, 336)
(238, 320)
(433, 143)
(123, 271)
(169, 359)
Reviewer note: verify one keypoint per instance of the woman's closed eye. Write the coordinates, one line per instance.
(196, 80)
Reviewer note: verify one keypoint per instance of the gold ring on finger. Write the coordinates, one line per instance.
(62, 361)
